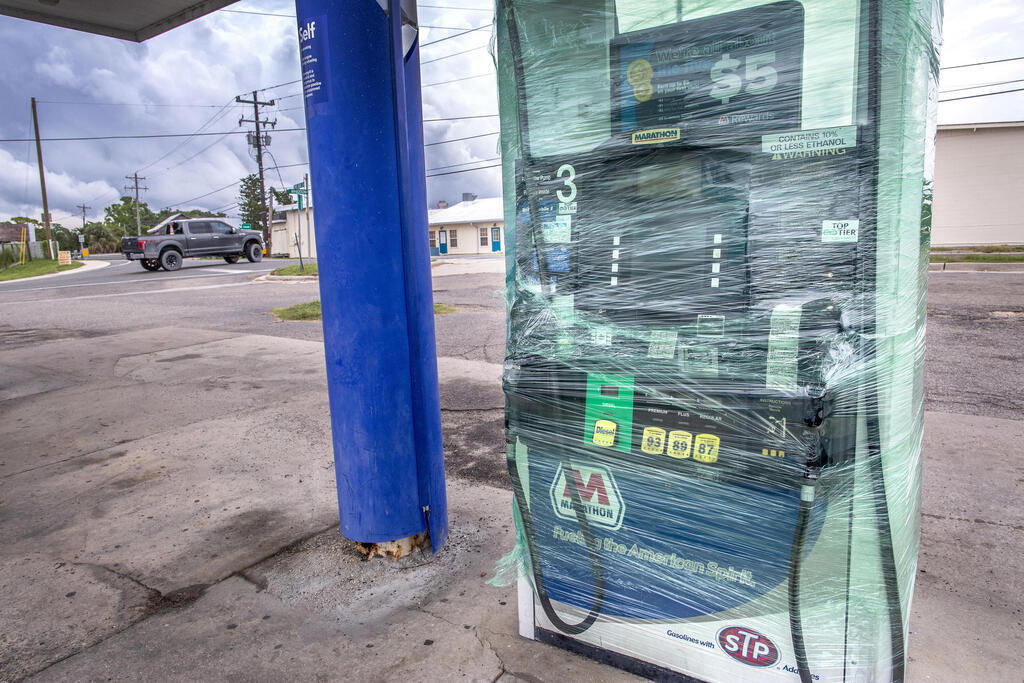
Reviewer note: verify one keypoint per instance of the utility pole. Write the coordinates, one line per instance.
(256, 104)
(42, 175)
(135, 186)
(84, 208)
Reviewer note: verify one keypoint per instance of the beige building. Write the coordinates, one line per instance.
(290, 228)
(473, 226)
(979, 178)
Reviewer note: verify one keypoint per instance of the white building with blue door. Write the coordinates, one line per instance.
(473, 226)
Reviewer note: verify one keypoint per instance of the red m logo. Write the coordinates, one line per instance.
(594, 485)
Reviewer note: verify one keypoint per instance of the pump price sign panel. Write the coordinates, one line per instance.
(735, 75)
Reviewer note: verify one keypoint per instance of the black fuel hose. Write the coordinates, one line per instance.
(795, 560)
(531, 542)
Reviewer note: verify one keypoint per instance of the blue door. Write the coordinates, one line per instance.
(442, 241)
(495, 239)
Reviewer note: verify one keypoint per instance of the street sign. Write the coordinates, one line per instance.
(81, 239)
(299, 189)
(246, 226)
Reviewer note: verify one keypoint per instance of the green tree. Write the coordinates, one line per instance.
(164, 214)
(283, 197)
(250, 203)
(122, 215)
(67, 240)
(102, 237)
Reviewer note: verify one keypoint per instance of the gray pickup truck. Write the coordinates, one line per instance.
(168, 243)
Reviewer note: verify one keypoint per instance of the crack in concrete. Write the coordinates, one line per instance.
(159, 603)
(477, 630)
(1015, 527)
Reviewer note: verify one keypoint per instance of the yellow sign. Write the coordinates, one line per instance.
(642, 92)
(705, 448)
(679, 444)
(64, 258)
(639, 71)
(85, 253)
(655, 135)
(604, 433)
(654, 440)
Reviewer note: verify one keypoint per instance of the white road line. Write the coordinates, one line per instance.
(232, 271)
(136, 280)
(143, 292)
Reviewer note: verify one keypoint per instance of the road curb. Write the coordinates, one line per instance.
(86, 266)
(975, 267)
(286, 278)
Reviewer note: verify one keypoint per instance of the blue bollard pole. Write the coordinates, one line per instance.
(365, 132)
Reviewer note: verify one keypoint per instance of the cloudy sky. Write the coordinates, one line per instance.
(185, 81)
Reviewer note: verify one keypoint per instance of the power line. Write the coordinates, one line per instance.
(219, 189)
(481, 168)
(454, 35)
(129, 104)
(983, 85)
(455, 54)
(468, 137)
(142, 137)
(225, 108)
(455, 80)
(986, 94)
(279, 85)
(464, 163)
(452, 28)
(468, 9)
(185, 161)
(963, 66)
(460, 118)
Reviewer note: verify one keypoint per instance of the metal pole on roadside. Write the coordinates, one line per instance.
(309, 201)
(361, 86)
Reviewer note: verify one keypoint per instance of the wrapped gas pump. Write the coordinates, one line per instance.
(717, 217)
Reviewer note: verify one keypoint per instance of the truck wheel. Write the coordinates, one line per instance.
(170, 260)
(231, 259)
(150, 264)
(254, 252)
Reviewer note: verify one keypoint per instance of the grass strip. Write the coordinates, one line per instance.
(311, 311)
(36, 268)
(308, 269)
(977, 258)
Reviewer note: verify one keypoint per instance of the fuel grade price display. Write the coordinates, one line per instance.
(735, 75)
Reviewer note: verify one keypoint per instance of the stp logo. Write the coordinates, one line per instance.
(748, 646)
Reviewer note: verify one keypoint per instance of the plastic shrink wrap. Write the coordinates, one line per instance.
(718, 234)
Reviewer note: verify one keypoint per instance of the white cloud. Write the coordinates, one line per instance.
(211, 60)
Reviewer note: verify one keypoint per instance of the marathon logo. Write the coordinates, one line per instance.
(598, 493)
(655, 136)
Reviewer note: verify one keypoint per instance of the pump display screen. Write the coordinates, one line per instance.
(735, 75)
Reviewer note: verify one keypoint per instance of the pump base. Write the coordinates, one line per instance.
(637, 667)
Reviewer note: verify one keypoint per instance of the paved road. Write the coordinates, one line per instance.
(123, 296)
(99, 351)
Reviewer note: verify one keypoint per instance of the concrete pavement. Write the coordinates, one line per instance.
(167, 506)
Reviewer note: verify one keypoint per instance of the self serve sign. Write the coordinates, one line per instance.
(748, 646)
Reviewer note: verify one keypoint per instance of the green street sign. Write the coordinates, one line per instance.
(246, 226)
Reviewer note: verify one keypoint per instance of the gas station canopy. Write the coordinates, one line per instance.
(124, 19)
